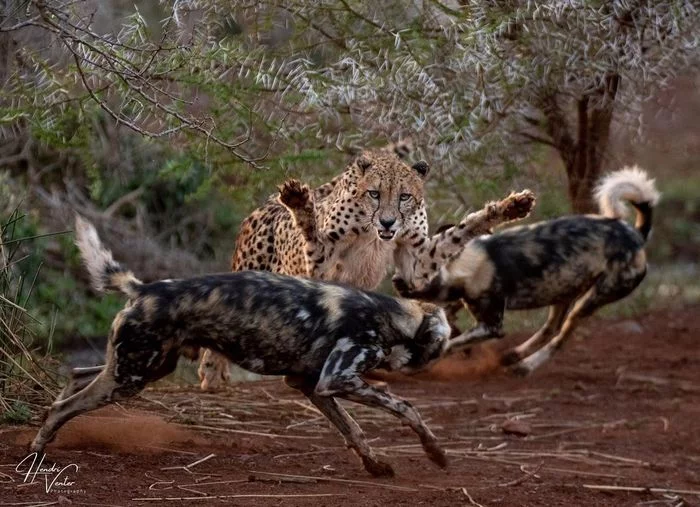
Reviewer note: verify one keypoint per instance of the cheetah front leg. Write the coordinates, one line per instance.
(446, 245)
(214, 370)
(298, 198)
(450, 241)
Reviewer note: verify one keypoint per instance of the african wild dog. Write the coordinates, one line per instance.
(573, 264)
(321, 336)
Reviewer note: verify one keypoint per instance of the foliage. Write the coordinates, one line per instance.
(23, 380)
(16, 413)
(238, 81)
(179, 117)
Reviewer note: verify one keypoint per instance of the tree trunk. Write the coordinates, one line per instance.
(584, 156)
(582, 169)
(582, 180)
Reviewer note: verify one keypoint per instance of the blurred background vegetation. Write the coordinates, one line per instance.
(167, 122)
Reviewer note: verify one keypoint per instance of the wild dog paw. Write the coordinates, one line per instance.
(294, 194)
(38, 444)
(520, 369)
(377, 468)
(518, 204)
(436, 455)
(510, 358)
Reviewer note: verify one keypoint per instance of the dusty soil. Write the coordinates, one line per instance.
(619, 407)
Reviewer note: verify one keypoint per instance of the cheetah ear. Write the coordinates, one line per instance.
(421, 168)
(364, 163)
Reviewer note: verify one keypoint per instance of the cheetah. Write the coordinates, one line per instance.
(270, 240)
(351, 230)
(359, 245)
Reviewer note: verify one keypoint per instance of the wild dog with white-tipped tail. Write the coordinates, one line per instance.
(574, 265)
(321, 336)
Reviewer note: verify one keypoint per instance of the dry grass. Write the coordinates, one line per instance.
(25, 384)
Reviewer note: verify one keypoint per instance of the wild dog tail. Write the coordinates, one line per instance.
(106, 274)
(633, 185)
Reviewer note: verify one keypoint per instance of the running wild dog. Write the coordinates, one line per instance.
(321, 336)
(574, 265)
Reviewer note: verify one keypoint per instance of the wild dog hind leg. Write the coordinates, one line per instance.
(351, 431)
(339, 378)
(79, 378)
(551, 327)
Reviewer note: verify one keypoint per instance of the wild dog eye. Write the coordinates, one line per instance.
(374, 194)
(404, 197)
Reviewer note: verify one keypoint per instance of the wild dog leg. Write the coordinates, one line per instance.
(108, 385)
(488, 313)
(479, 333)
(605, 290)
(339, 378)
(351, 431)
(80, 377)
(582, 308)
(552, 326)
(98, 393)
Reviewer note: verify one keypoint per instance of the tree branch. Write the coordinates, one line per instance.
(537, 139)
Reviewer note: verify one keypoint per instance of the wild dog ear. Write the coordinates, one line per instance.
(423, 334)
(422, 168)
(364, 163)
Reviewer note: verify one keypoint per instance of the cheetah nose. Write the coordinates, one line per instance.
(387, 222)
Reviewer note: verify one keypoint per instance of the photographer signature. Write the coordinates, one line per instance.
(55, 477)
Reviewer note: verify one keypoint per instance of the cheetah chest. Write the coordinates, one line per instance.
(362, 263)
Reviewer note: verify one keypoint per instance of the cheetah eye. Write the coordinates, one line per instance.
(374, 194)
(404, 197)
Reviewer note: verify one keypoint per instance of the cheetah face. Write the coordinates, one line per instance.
(388, 192)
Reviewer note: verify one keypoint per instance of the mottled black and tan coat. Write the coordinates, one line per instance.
(573, 264)
(354, 229)
(321, 336)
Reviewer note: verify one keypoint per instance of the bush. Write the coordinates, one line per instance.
(25, 384)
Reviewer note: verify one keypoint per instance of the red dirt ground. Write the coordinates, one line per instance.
(619, 406)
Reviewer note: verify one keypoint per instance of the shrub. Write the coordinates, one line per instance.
(25, 382)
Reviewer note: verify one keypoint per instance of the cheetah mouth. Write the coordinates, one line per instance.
(386, 235)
